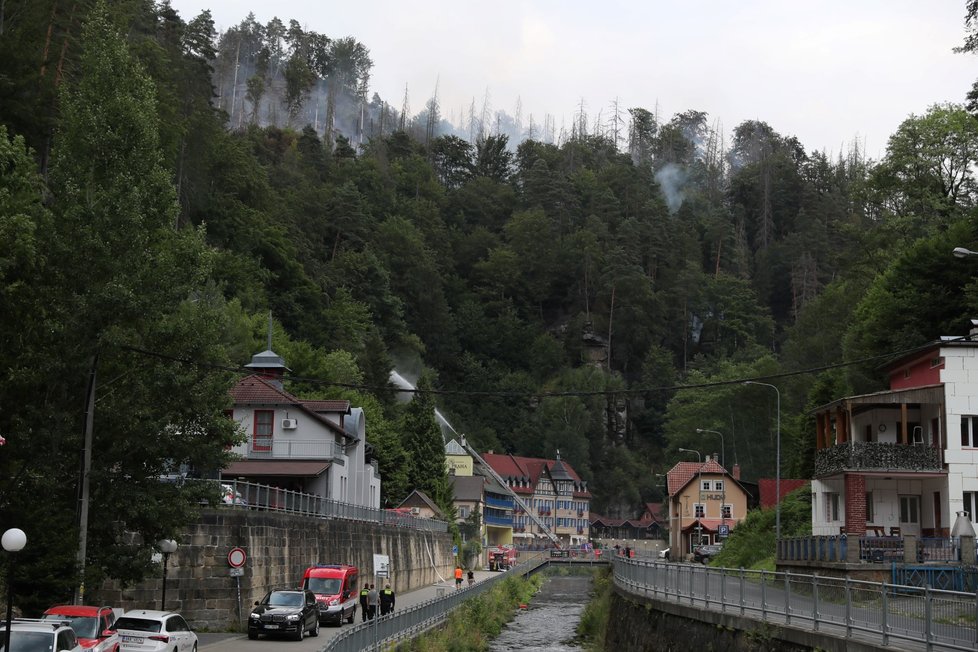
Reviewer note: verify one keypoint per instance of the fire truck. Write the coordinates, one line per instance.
(501, 558)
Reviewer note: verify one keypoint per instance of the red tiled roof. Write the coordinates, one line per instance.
(343, 407)
(709, 524)
(680, 475)
(266, 468)
(515, 466)
(255, 390)
(768, 486)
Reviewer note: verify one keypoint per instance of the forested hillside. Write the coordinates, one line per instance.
(165, 186)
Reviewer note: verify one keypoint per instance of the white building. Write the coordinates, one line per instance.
(905, 460)
(314, 446)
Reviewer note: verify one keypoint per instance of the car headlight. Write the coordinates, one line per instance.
(255, 616)
(334, 602)
(293, 617)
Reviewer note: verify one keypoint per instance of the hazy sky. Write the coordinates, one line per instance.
(828, 72)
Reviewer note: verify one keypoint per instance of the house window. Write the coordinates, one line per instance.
(909, 509)
(700, 510)
(463, 512)
(727, 511)
(705, 485)
(869, 506)
(264, 424)
(969, 432)
(937, 362)
(718, 485)
(971, 503)
(831, 506)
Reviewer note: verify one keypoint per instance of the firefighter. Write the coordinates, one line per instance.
(387, 600)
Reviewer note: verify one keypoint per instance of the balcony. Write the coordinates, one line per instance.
(281, 448)
(876, 456)
(493, 519)
(498, 503)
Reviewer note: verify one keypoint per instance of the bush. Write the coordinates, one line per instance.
(751, 544)
(594, 619)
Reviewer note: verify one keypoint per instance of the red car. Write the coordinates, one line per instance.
(93, 625)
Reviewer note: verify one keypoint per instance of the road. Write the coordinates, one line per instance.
(233, 642)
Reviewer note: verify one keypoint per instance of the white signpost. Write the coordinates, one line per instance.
(382, 566)
(236, 560)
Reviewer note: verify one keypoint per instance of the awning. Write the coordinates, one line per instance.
(925, 394)
(522, 535)
(275, 468)
(709, 524)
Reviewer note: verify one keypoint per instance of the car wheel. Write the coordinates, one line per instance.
(300, 632)
(315, 628)
(351, 617)
(253, 636)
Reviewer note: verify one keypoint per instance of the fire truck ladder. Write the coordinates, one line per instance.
(519, 501)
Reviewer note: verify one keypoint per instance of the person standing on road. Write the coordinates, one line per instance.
(364, 604)
(387, 601)
(471, 577)
(373, 600)
(458, 577)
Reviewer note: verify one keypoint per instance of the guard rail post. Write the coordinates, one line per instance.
(787, 599)
(848, 610)
(691, 585)
(742, 604)
(815, 602)
(928, 618)
(763, 597)
(723, 590)
(884, 627)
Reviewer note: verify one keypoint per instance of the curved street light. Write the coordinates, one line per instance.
(961, 252)
(13, 540)
(723, 448)
(777, 464)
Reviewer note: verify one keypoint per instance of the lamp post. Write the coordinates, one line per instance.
(13, 540)
(167, 547)
(699, 490)
(777, 464)
(723, 447)
(961, 252)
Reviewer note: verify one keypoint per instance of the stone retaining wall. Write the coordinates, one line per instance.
(279, 547)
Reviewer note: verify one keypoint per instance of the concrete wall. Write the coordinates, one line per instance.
(646, 625)
(279, 547)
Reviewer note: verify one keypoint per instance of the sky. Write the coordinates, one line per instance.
(830, 72)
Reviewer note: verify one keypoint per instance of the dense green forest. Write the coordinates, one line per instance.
(603, 290)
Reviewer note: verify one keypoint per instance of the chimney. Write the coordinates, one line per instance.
(736, 472)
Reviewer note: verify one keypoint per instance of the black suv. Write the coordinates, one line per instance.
(291, 612)
(703, 554)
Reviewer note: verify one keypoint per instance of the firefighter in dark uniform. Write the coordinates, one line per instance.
(387, 600)
(364, 608)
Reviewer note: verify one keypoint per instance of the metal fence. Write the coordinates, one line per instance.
(249, 495)
(411, 622)
(881, 612)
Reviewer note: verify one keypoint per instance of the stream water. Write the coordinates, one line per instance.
(549, 621)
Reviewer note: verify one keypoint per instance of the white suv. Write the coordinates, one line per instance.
(143, 630)
(27, 635)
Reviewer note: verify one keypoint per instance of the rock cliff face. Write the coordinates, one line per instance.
(279, 547)
(640, 626)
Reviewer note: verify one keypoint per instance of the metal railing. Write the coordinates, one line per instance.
(838, 607)
(249, 495)
(879, 550)
(411, 622)
(293, 449)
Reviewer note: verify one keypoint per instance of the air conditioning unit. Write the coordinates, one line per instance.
(289, 424)
(415, 511)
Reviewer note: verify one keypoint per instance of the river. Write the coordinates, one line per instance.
(549, 621)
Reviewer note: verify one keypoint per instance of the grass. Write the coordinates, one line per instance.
(472, 626)
(594, 619)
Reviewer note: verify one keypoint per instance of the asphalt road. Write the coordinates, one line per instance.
(235, 642)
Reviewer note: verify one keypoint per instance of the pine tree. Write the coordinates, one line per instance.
(427, 470)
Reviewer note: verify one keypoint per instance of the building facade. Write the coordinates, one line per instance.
(704, 502)
(905, 460)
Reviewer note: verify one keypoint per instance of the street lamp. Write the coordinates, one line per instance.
(723, 448)
(699, 493)
(13, 540)
(167, 547)
(777, 464)
(961, 252)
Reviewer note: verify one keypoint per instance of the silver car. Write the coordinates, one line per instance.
(155, 631)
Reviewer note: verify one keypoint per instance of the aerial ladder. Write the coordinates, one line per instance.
(519, 501)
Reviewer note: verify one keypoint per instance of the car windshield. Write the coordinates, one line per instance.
(84, 626)
(138, 624)
(28, 641)
(285, 600)
(324, 585)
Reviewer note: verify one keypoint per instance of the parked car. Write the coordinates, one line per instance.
(93, 625)
(145, 630)
(703, 554)
(335, 587)
(664, 554)
(291, 612)
(30, 635)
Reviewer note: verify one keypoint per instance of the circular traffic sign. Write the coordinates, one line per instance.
(237, 557)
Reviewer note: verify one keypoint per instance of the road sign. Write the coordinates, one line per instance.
(237, 557)
(454, 551)
(382, 565)
(235, 572)
(723, 530)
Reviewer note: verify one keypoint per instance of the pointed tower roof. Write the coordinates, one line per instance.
(558, 470)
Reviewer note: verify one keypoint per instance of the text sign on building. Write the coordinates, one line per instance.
(459, 464)
(237, 557)
(382, 566)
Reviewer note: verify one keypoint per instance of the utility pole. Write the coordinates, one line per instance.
(83, 493)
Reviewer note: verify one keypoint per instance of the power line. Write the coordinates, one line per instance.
(530, 395)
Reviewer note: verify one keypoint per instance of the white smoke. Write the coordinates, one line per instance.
(672, 179)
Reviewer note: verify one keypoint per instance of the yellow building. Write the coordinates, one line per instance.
(705, 503)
